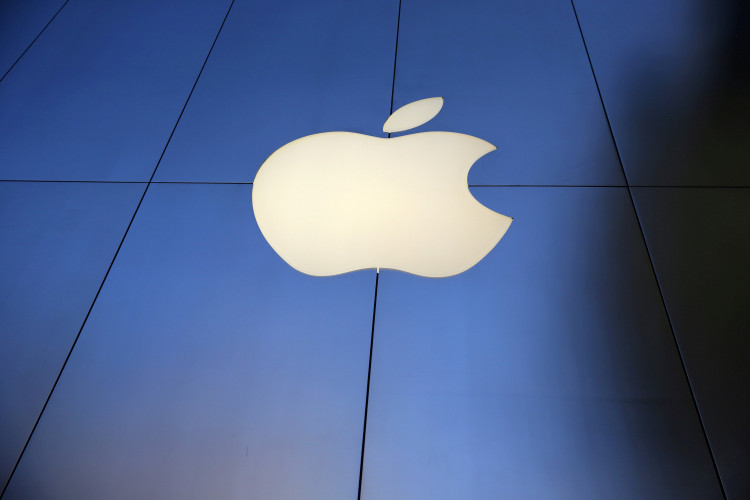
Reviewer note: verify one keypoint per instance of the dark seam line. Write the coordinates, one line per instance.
(96, 296)
(34, 40)
(395, 56)
(367, 396)
(637, 186)
(689, 187)
(548, 185)
(375, 300)
(125, 182)
(651, 261)
(73, 181)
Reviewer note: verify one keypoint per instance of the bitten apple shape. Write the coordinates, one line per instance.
(337, 202)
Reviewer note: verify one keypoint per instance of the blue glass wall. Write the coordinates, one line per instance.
(154, 345)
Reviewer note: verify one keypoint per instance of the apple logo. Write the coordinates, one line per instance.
(337, 202)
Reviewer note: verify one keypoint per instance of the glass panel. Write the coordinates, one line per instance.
(20, 23)
(514, 74)
(546, 371)
(674, 76)
(209, 368)
(58, 240)
(281, 71)
(700, 243)
(97, 97)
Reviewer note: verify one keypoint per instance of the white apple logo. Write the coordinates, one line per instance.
(337, 202)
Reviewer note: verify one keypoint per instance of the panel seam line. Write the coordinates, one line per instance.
(651, 260)
(33, 41)
(377, 278)
(114, 258)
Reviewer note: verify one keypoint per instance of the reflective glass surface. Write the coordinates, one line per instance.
(700, 242)
(546, 371)
(20, 23)
(97, 96)
(514, 74)
(57, 241)
(209, 368)
(281, 71)
(675, 77)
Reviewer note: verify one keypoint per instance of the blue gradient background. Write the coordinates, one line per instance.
(208, 368)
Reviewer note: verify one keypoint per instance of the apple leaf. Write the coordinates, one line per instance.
(413, 114)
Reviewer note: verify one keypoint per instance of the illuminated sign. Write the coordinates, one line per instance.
(337, 202)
